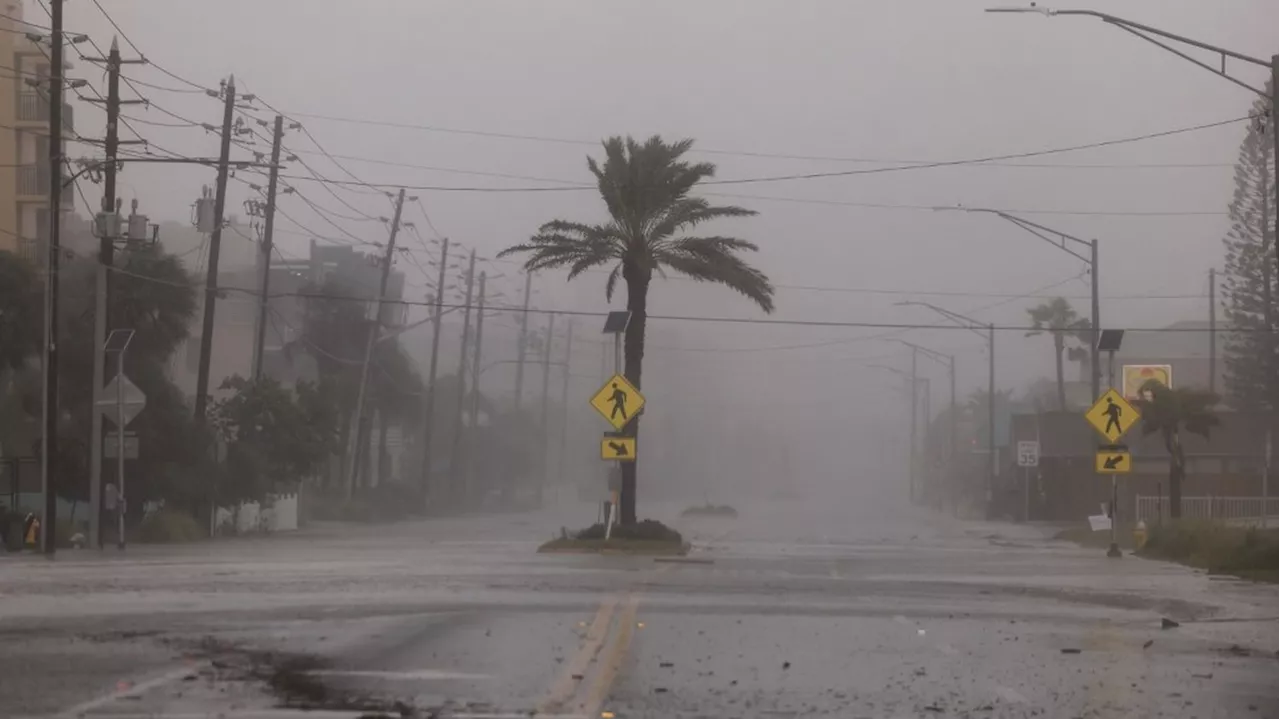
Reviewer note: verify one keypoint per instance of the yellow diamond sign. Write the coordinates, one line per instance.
(618, 401)
(1112, 415)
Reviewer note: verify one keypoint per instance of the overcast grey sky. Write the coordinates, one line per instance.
(884, 81)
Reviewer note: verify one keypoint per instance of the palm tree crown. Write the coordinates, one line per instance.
(645, 188)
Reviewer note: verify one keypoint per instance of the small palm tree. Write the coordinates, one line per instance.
(1060, 320)
(645, 188)
(1169, 411)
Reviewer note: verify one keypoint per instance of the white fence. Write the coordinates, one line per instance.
(1150, 509)
(278, 513)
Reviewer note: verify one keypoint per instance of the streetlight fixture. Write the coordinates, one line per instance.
(1146, 32)
(1062, 238)
(990, 336)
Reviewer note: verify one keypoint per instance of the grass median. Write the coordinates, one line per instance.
(1216, 547)
(647, 537)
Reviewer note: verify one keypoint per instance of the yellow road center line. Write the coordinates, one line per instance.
(567, 683)
(613, 659)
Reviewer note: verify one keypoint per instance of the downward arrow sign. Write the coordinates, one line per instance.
(1111, 462)
(619, 449)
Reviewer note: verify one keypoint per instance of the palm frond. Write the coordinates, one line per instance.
(711, 259)
(612, 282)
(687, 213)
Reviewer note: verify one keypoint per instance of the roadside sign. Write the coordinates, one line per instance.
(1117, 461)
(134, 399)
(1136, 375)
(1112, 415)
(618, 449)
(1028, 453)
(111, 441)
(618, 401)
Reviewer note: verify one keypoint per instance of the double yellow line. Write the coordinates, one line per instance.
(578, 687)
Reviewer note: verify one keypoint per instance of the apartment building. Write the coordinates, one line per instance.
(24, 136)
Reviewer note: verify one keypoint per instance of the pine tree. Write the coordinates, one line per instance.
(1249, 289)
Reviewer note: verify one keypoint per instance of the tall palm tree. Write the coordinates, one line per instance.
(1169, 411)
(1060, 320)
(646, 191)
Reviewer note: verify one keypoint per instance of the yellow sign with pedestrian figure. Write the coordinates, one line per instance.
(1113, 462)
(618, 401)
(1112, 415)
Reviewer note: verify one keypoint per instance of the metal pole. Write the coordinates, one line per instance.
(468, 489)
(1096, 366)
(215, 244)
(1113, 550)
(353, 466)
(121, 509)
(991, 416)
(1213, 331)
(429, 404)
(546, 403)
(912, 459)
(260, 338)
(564, 404)
(523, 341)
(951, 442)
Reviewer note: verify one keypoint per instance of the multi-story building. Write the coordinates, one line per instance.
(24, 136)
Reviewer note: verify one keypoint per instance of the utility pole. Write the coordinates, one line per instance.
(469, 488)
(260, 337)
(564, 404)
(546, 398)
(49, 483)
(429, 403)
(215, 244)
(524, 338)
(1095, 363)
(454, 467)
(951, 430)
(353, 448)
(108, 229)
(991, 416)
(915, 402)
(1213, 330)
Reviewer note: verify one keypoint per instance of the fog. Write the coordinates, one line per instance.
(486, 95)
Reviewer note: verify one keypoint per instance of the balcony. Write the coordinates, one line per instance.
(33, 186)
(34, 108)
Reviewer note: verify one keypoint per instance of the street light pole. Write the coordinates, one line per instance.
(949, 361)
(1146, 32)
(990, 335)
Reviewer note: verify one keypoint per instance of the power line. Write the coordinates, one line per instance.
(993, 162)
(143, 55)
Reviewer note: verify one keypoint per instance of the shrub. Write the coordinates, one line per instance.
(170, 525)
(1219, 548)
(648, 530)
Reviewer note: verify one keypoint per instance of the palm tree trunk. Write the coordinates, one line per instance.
(1057, 358)
(633, 356)
(1177, 471)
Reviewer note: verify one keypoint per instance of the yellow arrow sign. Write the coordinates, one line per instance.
(1112, 415)
(618, 401)
(618, 449)
(1120, 462)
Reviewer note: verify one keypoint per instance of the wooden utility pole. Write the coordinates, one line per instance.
(215, 244)
(469, 488)
(353, 449)
(564, 402)
(546, 399)
(260, 337)
(454, 467)
(1213, 330)
(49, 483)
(429, 402)
(107, 228)
(523, 341)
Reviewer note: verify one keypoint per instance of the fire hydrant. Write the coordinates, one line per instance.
(1140, 534)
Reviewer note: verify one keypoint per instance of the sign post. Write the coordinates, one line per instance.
(1112, 416)
(1028, 458)
(618, 402)
(118, 343)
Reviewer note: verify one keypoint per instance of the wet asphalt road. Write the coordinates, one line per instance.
(791, 610)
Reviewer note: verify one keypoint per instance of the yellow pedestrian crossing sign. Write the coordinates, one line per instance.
(1113, 462)
(1112, 415)
(618, 401)
(618, 449)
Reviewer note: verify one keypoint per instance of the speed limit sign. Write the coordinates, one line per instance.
(1028, 453)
